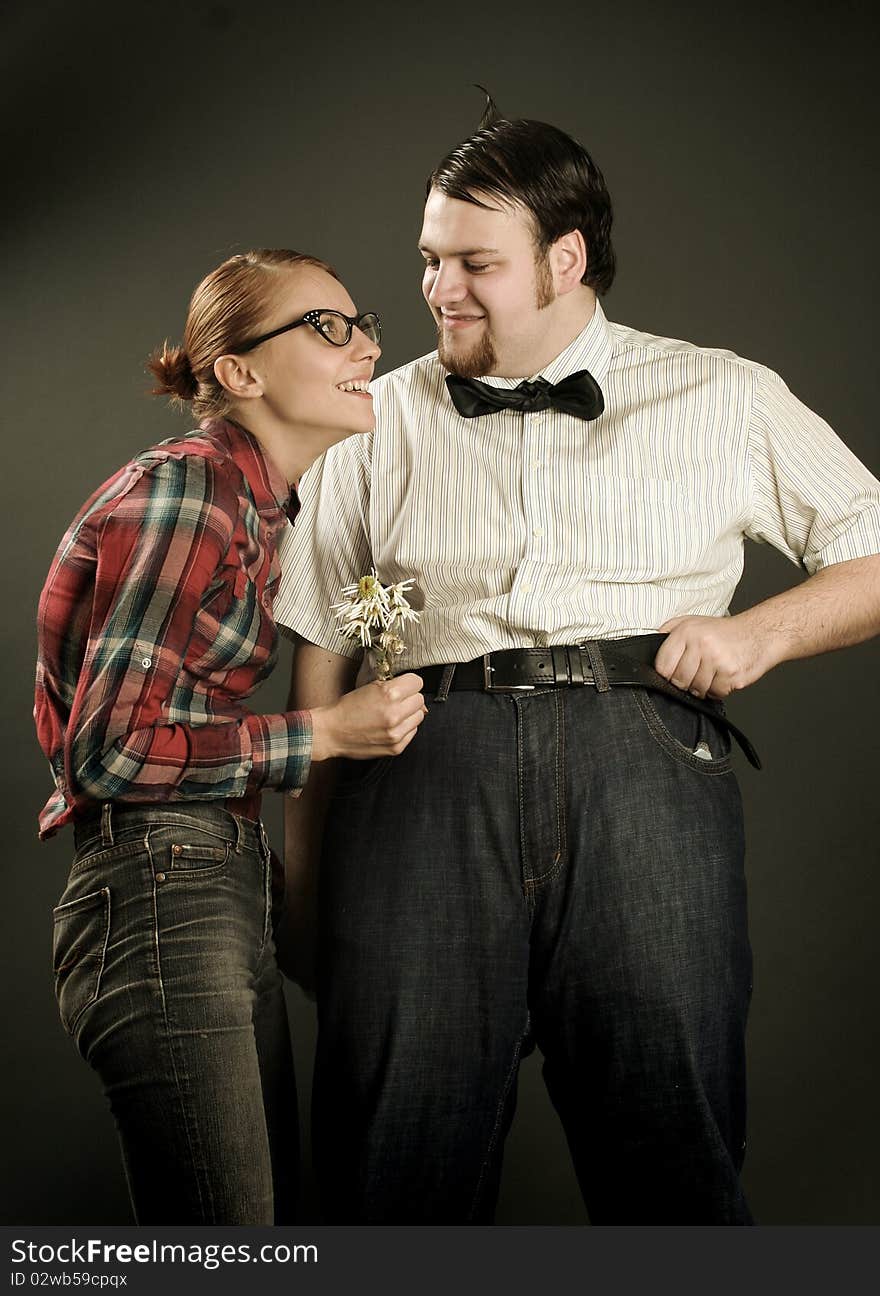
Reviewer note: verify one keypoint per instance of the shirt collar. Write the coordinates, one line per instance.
(268, 484)
(591, 350)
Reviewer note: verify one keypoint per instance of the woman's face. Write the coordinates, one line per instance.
(307, 382)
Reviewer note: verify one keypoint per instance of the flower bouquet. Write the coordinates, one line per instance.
(373, 614)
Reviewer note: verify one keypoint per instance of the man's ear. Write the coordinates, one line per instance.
(236, 377)
(568, 261)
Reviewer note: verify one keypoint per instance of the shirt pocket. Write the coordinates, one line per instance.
(635, 529)
(79, 951)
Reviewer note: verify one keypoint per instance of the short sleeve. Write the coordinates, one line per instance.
(811, 498)
(329, 547)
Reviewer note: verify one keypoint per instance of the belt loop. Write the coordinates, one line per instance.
(600, 675)
(561, 671)
(239, 833)
(445, 683)
(106, 824)
(575, 664)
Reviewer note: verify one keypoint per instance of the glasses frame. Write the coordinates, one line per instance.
(313, 318)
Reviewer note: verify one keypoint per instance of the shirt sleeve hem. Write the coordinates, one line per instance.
(860, 541)
(281, 751)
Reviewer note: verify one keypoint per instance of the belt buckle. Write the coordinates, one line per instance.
(489, 687)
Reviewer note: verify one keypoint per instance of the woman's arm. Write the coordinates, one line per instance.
(148, 717)
(157, 551)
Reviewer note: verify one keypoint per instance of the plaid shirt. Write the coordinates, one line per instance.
(154, 625)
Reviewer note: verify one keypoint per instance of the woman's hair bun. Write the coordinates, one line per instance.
(171, 368)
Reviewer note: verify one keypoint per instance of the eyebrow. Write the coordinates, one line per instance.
(468, 252)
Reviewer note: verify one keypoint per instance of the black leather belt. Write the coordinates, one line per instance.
(602, 663)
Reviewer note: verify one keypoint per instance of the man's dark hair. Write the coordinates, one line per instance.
(544, 170)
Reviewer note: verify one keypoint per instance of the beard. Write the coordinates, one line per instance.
(481, 357)
(478, 360)
(545, 291)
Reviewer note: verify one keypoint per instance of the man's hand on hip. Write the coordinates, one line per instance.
(712, 656)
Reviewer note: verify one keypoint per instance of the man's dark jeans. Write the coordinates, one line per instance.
(555, 868)
(166, 979)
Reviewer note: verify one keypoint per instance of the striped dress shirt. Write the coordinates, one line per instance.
(524, 530)
(154, 625)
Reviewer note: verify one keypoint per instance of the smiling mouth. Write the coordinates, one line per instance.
(355, 387)
(460, 321)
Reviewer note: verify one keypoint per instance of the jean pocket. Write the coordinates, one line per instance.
(79, 951)
(689, 736)
(356, 776)
(181, 851)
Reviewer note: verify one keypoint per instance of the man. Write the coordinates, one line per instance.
(558, 858)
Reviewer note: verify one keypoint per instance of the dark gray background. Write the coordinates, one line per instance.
(146, 141)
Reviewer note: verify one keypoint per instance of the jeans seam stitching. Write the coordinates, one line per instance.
(526, 881)
(169, 1039)
(265, 856)
(561, 826)
(179, 872)
(499, 1112)
(119, 853)
(673, 748)
(104, 892)
(532, 884)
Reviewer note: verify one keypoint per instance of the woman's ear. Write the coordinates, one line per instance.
(236, 377)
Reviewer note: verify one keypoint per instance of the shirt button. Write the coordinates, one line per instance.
(537, 463)
(537, 531)
(146, 662)
(525, 588)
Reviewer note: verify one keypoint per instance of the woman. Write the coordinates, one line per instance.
(155, 624)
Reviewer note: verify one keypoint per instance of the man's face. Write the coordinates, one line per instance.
(486, 285)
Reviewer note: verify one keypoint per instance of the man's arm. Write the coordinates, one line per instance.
(318, 679)
(714, 656)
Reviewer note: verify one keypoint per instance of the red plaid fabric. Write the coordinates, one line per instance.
(154, 625)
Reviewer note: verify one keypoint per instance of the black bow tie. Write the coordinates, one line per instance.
(578, 394)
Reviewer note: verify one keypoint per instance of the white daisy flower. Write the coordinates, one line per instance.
(367, 607)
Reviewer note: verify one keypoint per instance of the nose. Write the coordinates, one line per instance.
(447, 287)
(364, 348)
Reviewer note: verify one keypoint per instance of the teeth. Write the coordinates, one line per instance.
(359, 384)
